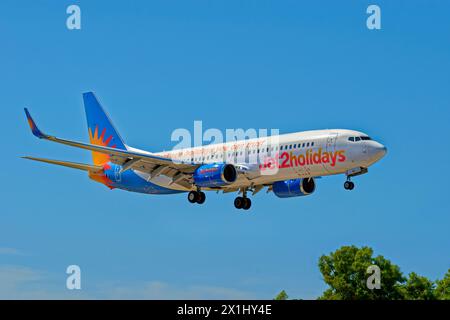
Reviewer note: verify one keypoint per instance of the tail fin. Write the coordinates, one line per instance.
(101, 130)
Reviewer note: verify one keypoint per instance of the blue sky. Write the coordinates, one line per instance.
(157, 66)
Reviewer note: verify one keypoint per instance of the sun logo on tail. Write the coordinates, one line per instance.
(100, 158)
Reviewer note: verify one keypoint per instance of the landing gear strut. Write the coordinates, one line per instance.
(243, 202)
(196, 197)
(348, 185)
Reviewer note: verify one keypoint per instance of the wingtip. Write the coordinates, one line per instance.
(34, 129)
(27, 113)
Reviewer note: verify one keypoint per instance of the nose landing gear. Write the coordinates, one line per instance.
(348, 185)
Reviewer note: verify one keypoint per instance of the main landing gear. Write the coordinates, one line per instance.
(240, 202)
(196, 197)
(243, 202)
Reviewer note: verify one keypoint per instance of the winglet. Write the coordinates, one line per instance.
(33, 126)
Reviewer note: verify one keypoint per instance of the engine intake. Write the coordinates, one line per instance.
(294, 188)
(215, 175)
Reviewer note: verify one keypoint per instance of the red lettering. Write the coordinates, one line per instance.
(285, 163)
(294, 161)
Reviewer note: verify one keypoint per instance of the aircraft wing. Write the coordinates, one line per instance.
(128, 159)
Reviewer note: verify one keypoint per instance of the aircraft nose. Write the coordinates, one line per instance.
(377, 151)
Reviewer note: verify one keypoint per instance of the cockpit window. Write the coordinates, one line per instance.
(361, 138)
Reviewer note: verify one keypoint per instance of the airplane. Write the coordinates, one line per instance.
(288, 168)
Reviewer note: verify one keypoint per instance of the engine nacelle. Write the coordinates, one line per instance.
(215, 175)
(294, 187)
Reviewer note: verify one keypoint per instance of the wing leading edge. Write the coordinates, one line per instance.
(129, 159)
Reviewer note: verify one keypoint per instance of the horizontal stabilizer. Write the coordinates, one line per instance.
(74, 165)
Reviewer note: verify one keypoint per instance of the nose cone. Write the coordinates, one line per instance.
(376, 151)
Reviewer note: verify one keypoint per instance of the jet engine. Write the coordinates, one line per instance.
(294, 187)
(215, 175)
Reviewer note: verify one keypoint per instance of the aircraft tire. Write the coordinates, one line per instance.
(239, 202)
(193, 196)
(247, 203)
(201, 197)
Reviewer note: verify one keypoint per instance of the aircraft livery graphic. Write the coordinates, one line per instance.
(288, 168)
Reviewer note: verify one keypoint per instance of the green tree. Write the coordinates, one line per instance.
(345, 271)
(418, 288)
(442, 291)
(282, 296)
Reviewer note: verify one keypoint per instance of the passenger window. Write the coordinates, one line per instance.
(312, 144)
(307, 144)
(303, 145)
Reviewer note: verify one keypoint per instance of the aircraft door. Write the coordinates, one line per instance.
(330, 148)
(331, 142)
(364, 149)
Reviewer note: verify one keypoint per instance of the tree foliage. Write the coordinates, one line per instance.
(345, 271)
(442, 291)
(418, 288)
(282, 296)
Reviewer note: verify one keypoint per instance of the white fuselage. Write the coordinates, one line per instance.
(289, 156)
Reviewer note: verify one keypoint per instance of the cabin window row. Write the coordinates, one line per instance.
(255, 151)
